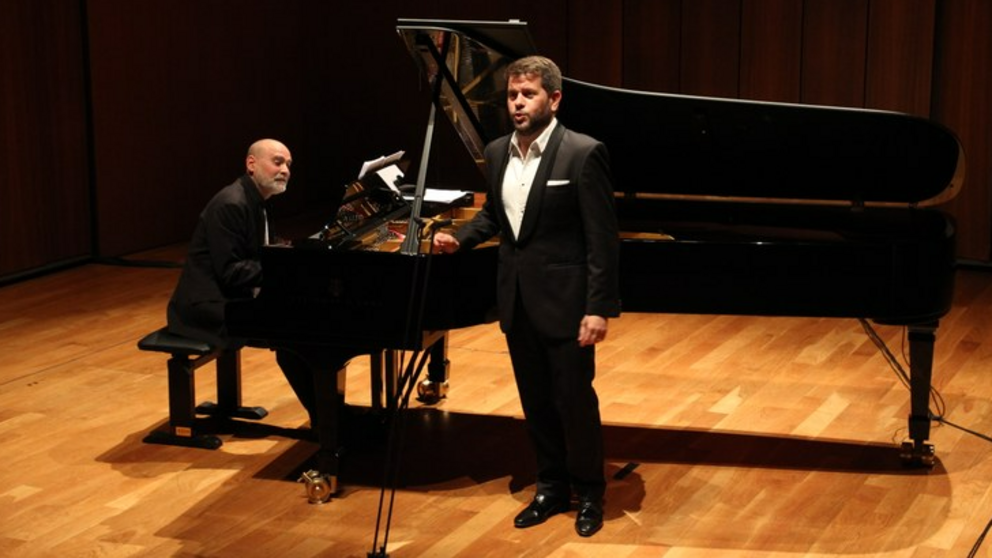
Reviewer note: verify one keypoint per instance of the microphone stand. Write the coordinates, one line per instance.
(410, 243)
(411, 246)
(408, 380)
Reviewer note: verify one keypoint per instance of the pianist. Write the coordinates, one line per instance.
(222, 263)
(557, 284)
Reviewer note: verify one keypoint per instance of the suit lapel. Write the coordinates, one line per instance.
(536, 195)
(496, 173)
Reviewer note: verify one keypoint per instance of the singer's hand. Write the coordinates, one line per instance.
(444, 243)
(592, 330)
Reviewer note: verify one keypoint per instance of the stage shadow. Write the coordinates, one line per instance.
(441, 453)
(708, 447)
(428, 447)
(434, 447)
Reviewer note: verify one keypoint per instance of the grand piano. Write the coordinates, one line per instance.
(726, 207)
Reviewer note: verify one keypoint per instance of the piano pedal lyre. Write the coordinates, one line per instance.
(431, 392)
(915, 454)
(319, 486)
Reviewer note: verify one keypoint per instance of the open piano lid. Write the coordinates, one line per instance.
(467, 60)
(698, 148)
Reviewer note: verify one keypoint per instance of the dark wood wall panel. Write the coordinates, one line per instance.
(595, 41)
(44, 169)
(652, 37)
(963, 101)
(710, 62)
(834, 46)
(771, 49)
(179, 89)
(900, 55)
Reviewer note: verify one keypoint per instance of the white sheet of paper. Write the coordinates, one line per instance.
(376, 164)
(437, 195)
(391, 175)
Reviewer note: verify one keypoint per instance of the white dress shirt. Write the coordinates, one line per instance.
(520, 171)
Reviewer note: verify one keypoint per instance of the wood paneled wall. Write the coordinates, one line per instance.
(45, 210)
(118, 120)
(962, 100)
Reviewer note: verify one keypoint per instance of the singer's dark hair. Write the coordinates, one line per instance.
(540, 66)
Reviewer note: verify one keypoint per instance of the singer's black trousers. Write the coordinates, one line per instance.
(555, 383)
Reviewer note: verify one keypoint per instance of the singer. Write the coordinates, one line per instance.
(550, 200)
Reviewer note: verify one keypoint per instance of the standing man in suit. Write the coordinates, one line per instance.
(223, 264)
(551, 201)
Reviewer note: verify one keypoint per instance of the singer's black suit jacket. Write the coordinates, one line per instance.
(564, 263)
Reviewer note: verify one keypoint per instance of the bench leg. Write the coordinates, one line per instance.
(181, 410)
(229, 391)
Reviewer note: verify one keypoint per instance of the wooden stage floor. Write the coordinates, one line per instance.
(726, 436)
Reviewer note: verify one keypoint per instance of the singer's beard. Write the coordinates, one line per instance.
(534, 124)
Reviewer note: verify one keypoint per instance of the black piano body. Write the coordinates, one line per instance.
(366, 300)
(352, 286)
(731, 206)
(725, 206)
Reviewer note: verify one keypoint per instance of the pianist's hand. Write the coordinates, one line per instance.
(444, 243)
(592, 330)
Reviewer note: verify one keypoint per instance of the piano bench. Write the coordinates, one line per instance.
(186, 355)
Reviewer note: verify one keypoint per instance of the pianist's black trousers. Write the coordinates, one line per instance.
(299, 367)
(554, 379)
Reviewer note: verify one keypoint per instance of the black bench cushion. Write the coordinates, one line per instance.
(165, 342)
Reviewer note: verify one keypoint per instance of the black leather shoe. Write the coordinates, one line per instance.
(589, 519)
(539, 510)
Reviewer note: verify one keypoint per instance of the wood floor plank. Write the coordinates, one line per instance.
(729, 436)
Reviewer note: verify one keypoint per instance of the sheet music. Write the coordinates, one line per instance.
(376, 164)
(438, 195)
(392, 176)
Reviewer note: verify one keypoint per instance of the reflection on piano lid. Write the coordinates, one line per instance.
(698, 148)
(467, 60)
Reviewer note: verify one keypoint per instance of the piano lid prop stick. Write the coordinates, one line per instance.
(411, 245)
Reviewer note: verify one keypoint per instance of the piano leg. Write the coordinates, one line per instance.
(921, 341)
(329, 382)
(382, 367)
(435, 387)
(329, 387)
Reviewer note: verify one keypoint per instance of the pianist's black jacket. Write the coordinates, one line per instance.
(222, 263)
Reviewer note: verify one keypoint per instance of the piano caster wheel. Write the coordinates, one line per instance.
(319, 487)
(431, 392)
(917, 456)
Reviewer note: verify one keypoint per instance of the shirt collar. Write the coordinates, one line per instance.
(537, 145)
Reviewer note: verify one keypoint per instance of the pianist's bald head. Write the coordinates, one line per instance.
(264, 146)
(267, 163)
(539, 66)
